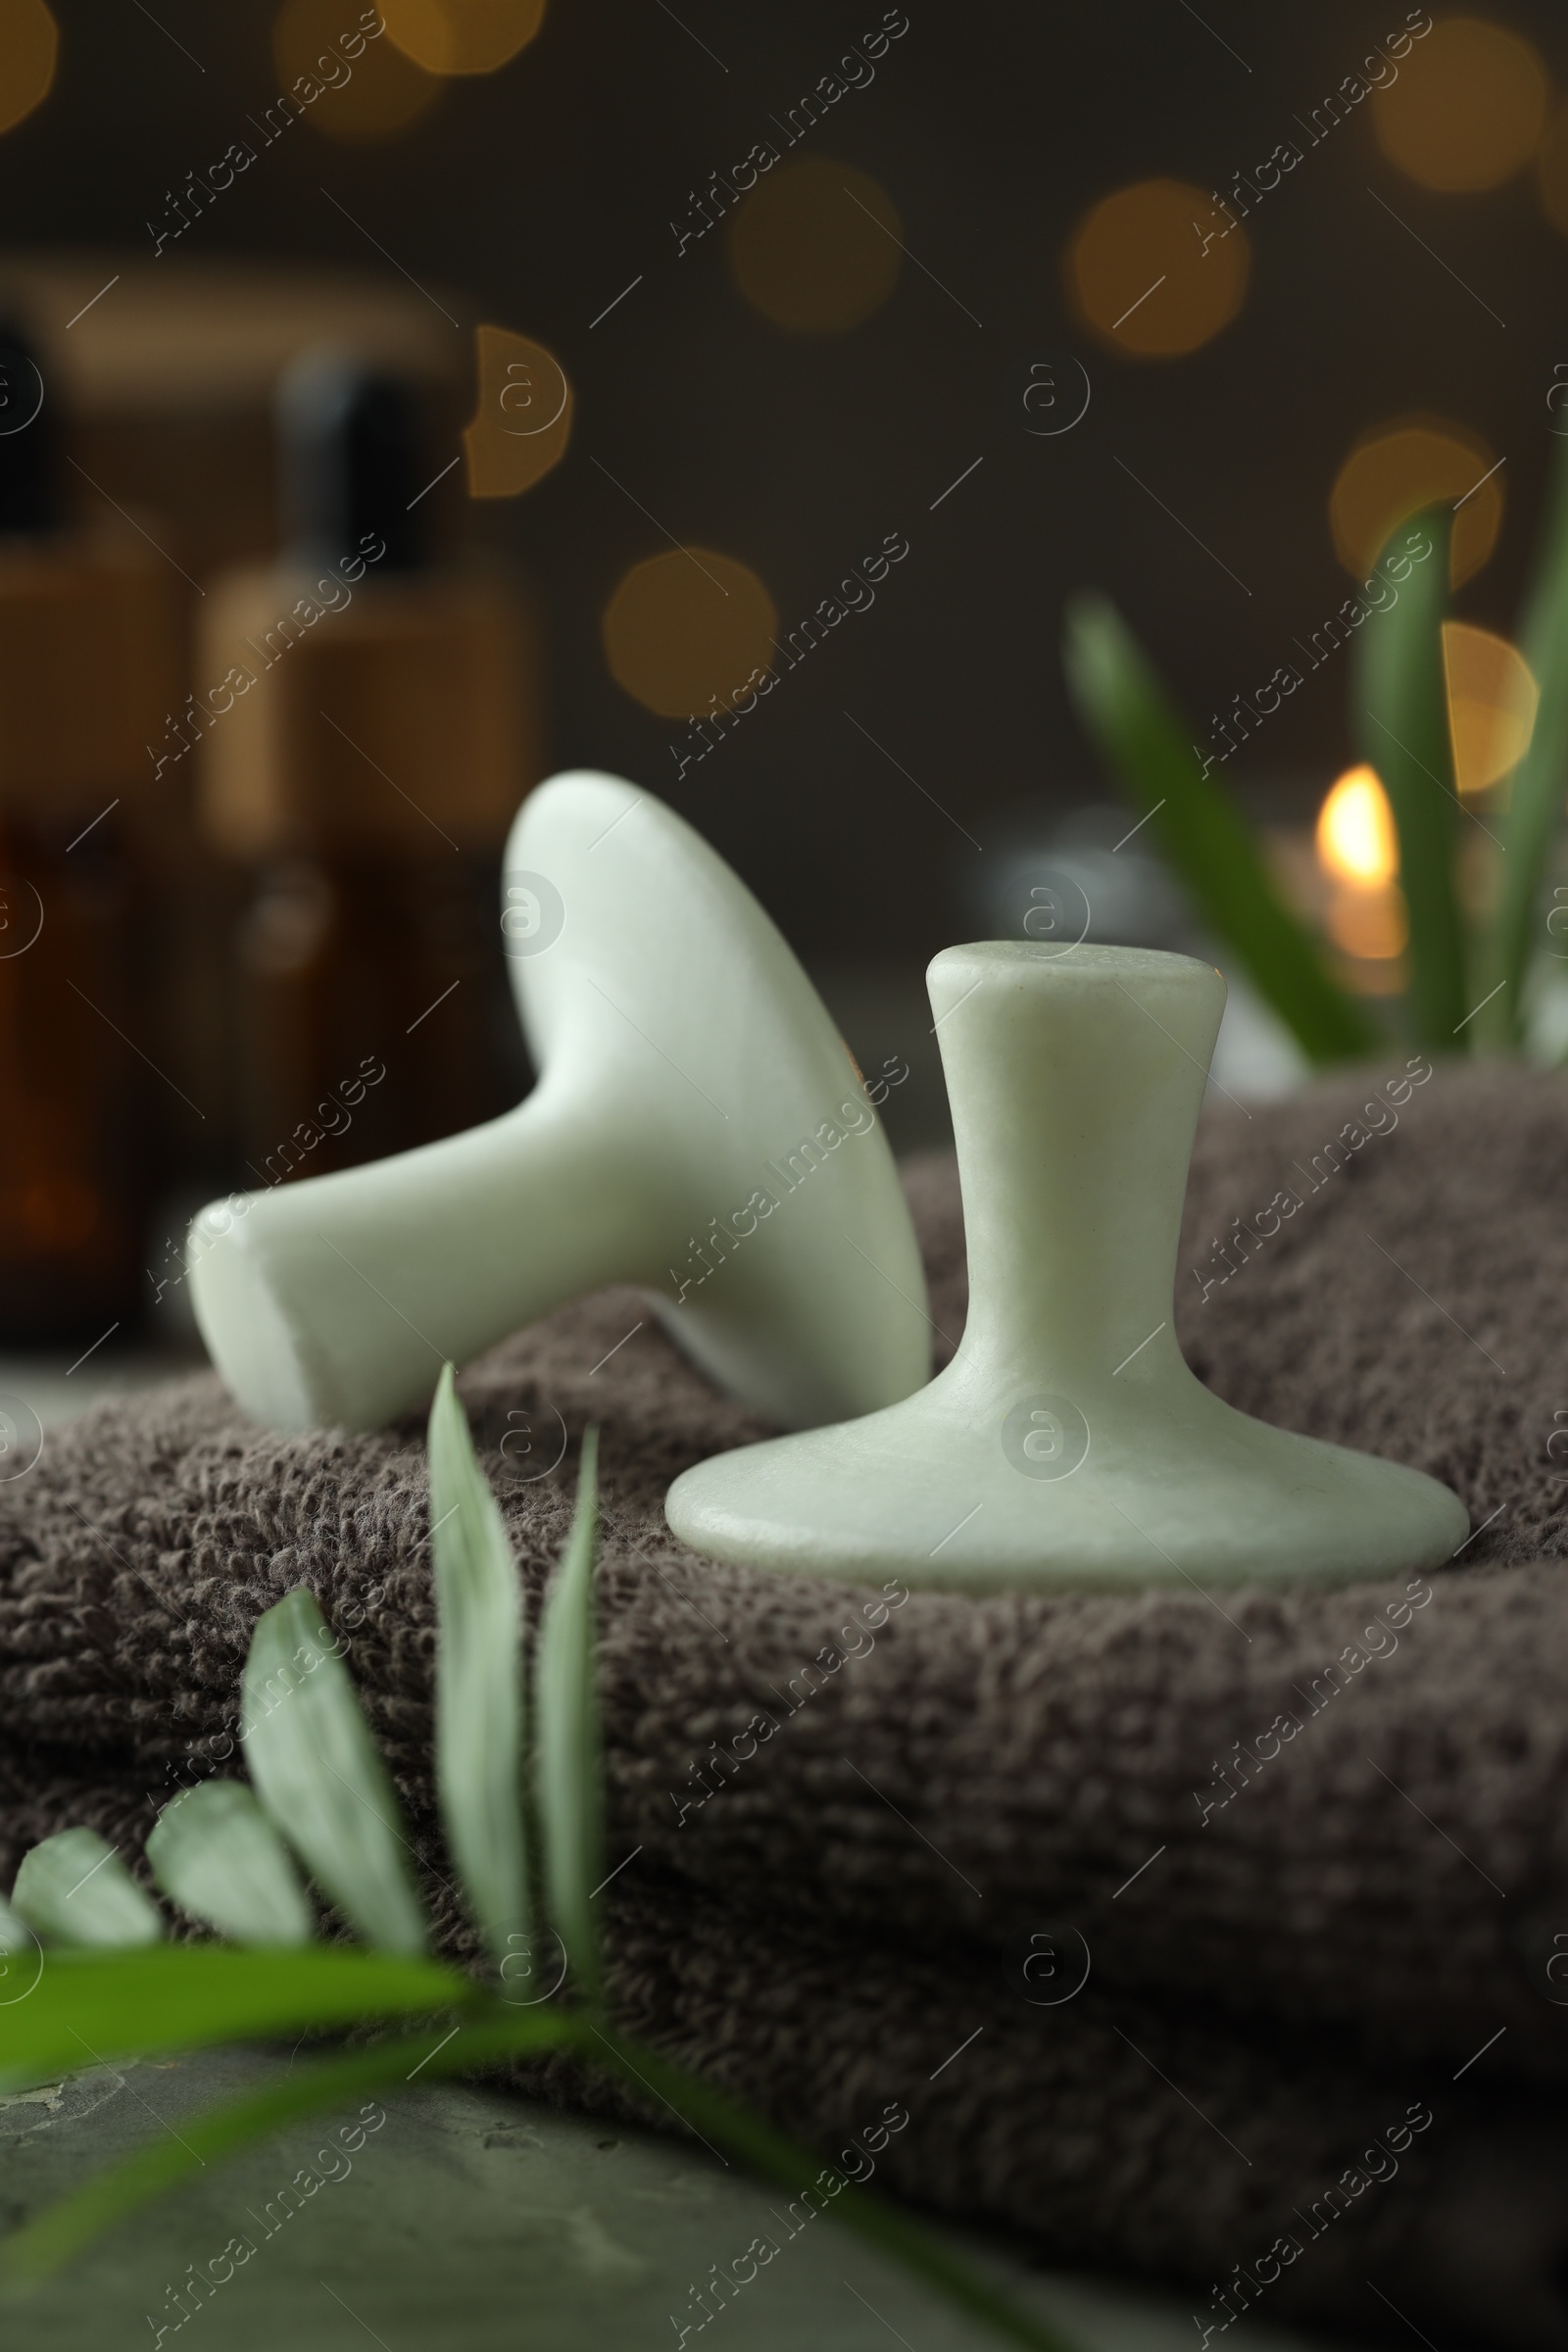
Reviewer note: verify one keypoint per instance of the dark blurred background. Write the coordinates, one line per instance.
(922, 737)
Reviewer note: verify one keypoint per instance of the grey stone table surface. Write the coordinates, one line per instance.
(467, 2219)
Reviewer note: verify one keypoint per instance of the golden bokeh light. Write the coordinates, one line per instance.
(30, 50)
(1467, 110)
(815, 246)
(1493, 700)
(351, 85)
(461, 36)
(689, 630)
(522, 423)
(1358, 850)
(1397, 469)
(1141, 276)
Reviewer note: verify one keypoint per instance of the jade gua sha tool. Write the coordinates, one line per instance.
(698, 1128)
(1067, 1444)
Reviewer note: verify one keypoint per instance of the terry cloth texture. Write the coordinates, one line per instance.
(1311, 1850)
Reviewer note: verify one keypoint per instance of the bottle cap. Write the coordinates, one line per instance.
(89, 656)
(356, 696)
(354, 461)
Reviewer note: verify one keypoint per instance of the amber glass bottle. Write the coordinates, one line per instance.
(89, 663)
(369, 728)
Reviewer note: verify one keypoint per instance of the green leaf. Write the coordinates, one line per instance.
(478, 1679)
(1536, 803)
(721, 2123)
(216, 1854)
(86, 2008)
(567, 1712)
(73, 1890)
(1402, 725)
(62, 2230)
(318, 1772)
(1125, 709)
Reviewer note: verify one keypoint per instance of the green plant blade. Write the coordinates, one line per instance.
(216, 1854)
(725, 2125)
(74, 2009)
(316, 1770)
(1536, 803)
(478, 1679)
(75, 1889)
(568, 1782)
(1402, 726)
(63, 2229)
(1125, 709)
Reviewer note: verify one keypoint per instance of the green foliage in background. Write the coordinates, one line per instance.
(1467, 990)
(1202, 832)
(1400, 707)
(523, 1824)
(1535, 805)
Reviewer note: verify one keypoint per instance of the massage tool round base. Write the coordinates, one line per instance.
(698, 1128)
(1068, 1444)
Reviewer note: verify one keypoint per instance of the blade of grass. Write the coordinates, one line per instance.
(478, 1679)
(1536, 803)
(87, 2007)
(566, 1713)
(75, 1889)
(796, 2171)
(216, 1854)
(1125, 709)
(1400, 694)
(42, 2244)
(318, 1772)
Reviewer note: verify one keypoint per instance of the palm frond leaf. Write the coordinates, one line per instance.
(73, 1890)
(92, 2008)
(566, 1716)
(478, 1681)
(320, 1777)
(217, 1855)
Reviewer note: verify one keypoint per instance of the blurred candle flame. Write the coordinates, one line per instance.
(1358, 848)
(1355, 837)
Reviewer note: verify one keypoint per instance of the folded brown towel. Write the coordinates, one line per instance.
(1312, 1848)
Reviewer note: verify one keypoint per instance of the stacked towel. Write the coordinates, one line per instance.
(1220, 1936)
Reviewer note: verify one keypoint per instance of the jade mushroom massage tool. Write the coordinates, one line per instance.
(1068, 1444)
(698, 1129)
